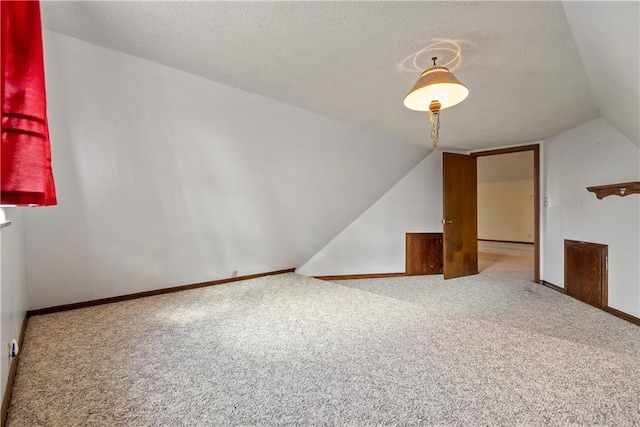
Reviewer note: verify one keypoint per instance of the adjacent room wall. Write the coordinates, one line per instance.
(375, 241)
(593, 154)
(505, 211)
(165, 178)
(13, 295)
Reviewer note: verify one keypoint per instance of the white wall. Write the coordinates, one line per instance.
(506, 211)
(165, 178)
(375, 241)
(593, 154)
(13, 295)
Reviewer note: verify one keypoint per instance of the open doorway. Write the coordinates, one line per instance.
(508, 211)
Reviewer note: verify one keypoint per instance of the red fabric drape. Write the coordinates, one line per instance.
(26, 175)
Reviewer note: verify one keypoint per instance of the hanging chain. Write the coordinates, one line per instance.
(435, 127)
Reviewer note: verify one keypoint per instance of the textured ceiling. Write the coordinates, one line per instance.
(354, 61)
(506, 167)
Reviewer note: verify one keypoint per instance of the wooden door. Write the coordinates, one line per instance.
(423, 253)
(460, 220)
(585, 272)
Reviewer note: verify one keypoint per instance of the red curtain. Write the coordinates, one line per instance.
(26, 177)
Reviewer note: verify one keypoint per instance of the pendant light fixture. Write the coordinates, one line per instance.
(436, 89)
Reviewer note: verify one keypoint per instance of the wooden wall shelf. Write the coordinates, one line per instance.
(622, 189)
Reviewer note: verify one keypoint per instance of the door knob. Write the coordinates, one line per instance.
(444, 221)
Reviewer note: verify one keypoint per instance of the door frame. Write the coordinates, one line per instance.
(536, 195)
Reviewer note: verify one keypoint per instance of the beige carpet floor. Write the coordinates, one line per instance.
(290, 350)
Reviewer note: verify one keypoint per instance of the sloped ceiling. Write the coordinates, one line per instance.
(355, 61)
(608, 38)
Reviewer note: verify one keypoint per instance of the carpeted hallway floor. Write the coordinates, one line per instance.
(293, 350)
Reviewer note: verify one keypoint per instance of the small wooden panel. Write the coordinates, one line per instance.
(621, 189)
(585, 272)
(423, 253)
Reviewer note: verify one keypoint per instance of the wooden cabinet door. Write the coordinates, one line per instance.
(460, 222)
(423, 253)
(585, 272)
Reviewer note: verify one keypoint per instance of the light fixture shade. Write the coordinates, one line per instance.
(436, 83)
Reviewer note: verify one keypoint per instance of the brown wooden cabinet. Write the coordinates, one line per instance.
(585, 272)
(423, 253)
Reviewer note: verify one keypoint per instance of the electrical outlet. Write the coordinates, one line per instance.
(13, 349)
(234, 273)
